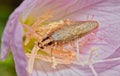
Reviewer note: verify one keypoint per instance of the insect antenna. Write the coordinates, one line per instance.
(91, 18)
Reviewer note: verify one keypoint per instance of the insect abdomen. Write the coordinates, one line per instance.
(72, 32)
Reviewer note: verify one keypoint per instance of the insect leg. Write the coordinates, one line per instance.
(54, 63)
(72, 44)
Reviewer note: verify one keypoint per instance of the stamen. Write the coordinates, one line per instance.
(57, 55)
(90, 62)
(93, 70)
(78, 55)
(28, 34)
(26, 41)
(78, 51)
(41, 19)
(57, 60)
(32, 59)
(106, 60)
(35, 26)
(91, 54)
(54, 63)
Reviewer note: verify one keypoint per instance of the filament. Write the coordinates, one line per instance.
(32, 59)
(93, 70)
(106, 60)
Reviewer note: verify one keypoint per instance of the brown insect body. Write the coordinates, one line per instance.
(69, 33)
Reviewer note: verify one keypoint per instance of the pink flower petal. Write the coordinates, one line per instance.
(12, 38)
(17, 49)
(106, 12)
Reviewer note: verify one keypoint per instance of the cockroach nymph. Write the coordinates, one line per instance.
(52, 36)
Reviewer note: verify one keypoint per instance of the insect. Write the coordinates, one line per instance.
(68, 32)
(52, 37)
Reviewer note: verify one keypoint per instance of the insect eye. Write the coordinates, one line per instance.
(42, 47)
(38, 43)
(50, 43)
(45, 39)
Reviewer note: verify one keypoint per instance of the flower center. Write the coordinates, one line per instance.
(52, 53)
(40, 42)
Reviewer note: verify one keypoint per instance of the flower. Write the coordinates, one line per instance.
(93, 51)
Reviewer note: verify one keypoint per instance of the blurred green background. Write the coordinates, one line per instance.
(7, 67)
